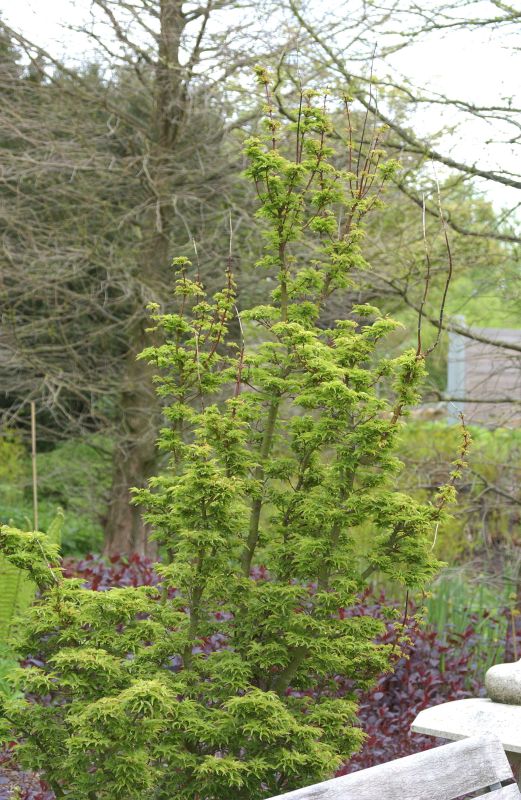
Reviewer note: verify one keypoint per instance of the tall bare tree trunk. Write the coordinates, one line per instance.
(135, 456)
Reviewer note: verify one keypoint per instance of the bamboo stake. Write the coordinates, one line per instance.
(33, 456)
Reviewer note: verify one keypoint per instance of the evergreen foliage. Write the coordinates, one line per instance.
(278, 505)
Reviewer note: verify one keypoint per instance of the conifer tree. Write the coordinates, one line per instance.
(277, 506)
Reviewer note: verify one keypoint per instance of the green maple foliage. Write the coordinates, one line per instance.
(277, 506)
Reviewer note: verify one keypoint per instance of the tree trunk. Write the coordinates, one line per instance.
(135, 458)
(125, 530)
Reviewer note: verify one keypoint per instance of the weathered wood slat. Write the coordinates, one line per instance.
(443, 773)
(506, 793)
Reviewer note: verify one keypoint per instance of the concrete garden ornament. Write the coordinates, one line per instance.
(503, 683)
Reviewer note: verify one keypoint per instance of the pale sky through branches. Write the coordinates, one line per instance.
(479, 67)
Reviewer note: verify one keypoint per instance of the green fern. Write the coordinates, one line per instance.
(18, 591)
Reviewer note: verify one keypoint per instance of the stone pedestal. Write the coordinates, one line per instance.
(462, 718)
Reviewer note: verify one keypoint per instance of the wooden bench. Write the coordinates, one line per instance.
(474, 765)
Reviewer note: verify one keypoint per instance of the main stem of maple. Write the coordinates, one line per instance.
(253, 533)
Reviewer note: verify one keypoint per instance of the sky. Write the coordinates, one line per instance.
(477, 67)
(41, 21)
(480, 68)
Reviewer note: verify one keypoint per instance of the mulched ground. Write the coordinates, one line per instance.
(18, 785)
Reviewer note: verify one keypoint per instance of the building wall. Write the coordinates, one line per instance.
(484, 379)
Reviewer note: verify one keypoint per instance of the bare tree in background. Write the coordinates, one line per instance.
(107, 171)
(356, 50)
(374, 33)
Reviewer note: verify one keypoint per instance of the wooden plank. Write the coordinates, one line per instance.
(506, 793)
(443, 773)
(473, 716)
